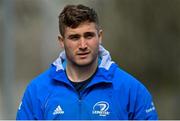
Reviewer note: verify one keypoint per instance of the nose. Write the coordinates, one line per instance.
(82, 44)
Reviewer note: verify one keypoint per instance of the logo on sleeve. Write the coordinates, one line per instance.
(152, 108)
(101, 108)
(58, 110)
(19, 108)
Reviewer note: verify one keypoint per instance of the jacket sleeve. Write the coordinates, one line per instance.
(144, 106)
(29, 109)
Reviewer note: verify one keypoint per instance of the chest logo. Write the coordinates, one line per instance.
(101, 108)
(58, 110)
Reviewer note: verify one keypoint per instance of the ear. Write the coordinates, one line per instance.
(61, 41)
(100, 34)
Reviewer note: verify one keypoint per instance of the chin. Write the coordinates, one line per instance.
(83, 63)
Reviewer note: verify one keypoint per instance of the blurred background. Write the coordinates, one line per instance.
(143, 37)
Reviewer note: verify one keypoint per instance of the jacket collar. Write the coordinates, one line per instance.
(103, 74)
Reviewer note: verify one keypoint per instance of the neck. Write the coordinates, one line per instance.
(80, 73)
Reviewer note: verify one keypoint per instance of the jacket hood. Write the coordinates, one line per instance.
(104, 60)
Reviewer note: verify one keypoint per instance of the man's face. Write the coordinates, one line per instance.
(81, 44)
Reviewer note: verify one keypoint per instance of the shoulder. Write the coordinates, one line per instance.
(41, 84)
(42, 79)
(135, 95)
(122, 77)
(126, 81)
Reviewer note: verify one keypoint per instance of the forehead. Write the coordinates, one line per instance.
(82, 28)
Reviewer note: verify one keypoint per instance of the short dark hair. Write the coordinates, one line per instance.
(73, 15)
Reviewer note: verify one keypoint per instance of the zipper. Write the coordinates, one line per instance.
(79, 97)
(80, 106)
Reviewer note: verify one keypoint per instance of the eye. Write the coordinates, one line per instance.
(74, 37)
(89, 35)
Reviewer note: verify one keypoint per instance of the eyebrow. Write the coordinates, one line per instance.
(73, 35)
(89, 33)
(78, 35)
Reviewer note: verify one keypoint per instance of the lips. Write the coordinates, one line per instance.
(83, 54)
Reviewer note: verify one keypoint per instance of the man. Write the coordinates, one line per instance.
(83, 83)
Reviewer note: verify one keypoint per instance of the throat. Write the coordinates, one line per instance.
(80, 74)
(81, 85)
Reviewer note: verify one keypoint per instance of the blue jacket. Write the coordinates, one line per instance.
(112, 94)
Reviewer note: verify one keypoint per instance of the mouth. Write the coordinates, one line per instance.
(83, 54)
